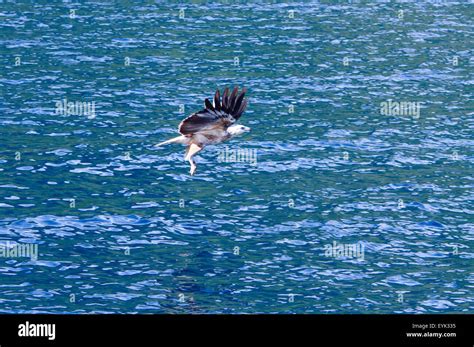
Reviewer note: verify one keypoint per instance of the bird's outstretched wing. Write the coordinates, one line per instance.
(219, 115)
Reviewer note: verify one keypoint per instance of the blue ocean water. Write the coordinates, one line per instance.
(121, 227)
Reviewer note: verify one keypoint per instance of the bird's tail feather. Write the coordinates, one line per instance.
(179, 139)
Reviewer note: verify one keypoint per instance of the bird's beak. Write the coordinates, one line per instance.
(247, 128)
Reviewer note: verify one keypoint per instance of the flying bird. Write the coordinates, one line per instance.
(212, 125)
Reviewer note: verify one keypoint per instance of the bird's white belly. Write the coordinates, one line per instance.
(211, 137)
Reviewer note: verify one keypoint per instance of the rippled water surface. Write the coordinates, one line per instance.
(122, 227)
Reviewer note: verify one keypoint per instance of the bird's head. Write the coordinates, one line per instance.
(237, 130)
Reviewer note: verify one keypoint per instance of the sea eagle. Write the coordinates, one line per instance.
(214, 124)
